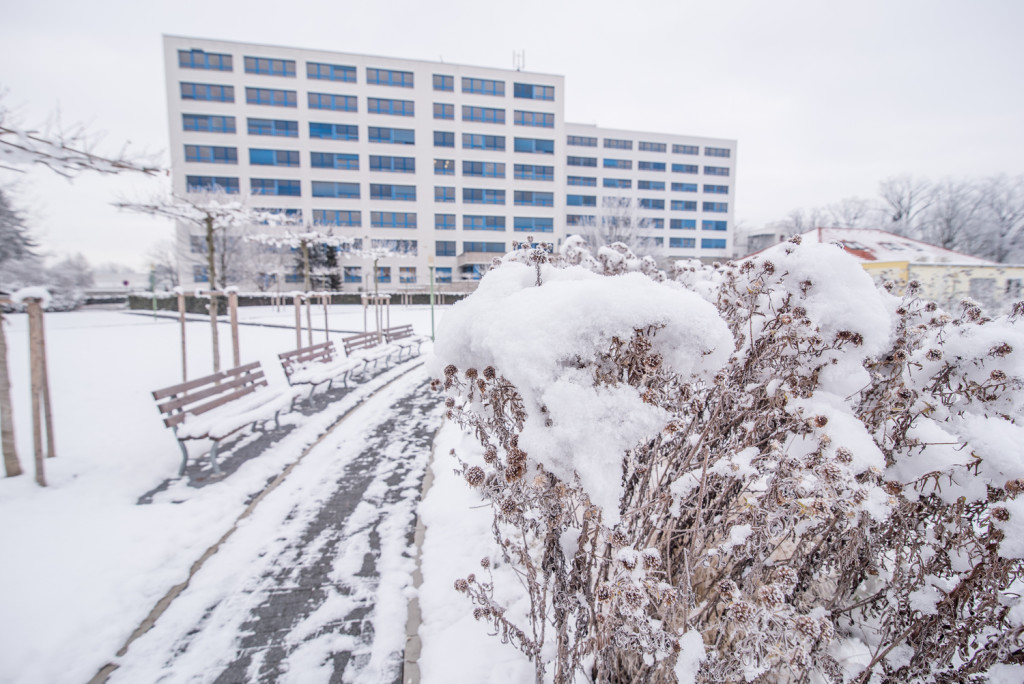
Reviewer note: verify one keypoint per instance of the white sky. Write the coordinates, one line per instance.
(825, 98)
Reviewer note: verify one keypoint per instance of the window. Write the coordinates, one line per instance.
(579, 220)
(383, 274)
(442, 82)
(682, 224)
(684, 187)
(712, 243)
(581, 161)
(713, 225)
(338, 103)
(211, 155)
(717, 189)
(652, 147)
(444, 139)
(614, 202)
(327, 131)
(443, 274)
(1013, 287)
(716, 207)
(198, 59)
(476, 141)
(483, 86)
(483, 222)
(650, 185)
(444, 111)
(376, 105)
(339, 190)
(407, 274)
(330, 72)
(717, 152)
(270, 67)
(353, 274)
(616, 183)
(271, 213)
(398, 79)
(587, 181)
(270, 96)
(403, 193)
(648, 203)
(333, 160)
(392, 219)
(393, 164)
(258, 157)
(540, 119)
(650, 166)
(684, 168)
(483, 169)
(207, 92)
(528, 224)
(535, 145)
(494, 247)
(274, 186)
(534, 172)
(682, 243)
(618, 164)
(523, 198)
(444, 222)
(443, 193)
(684, 205)
(483, 114)
(212, 184)
(581, 141)
(529, 91)
(197, 244)
(614, 144)
(581, 200)
(444, 248)
(396, 136)
(208, 124)
(444, 167)
(685, 149)
(337, 217)
(655, 223)
(200, 274)
(482, 196)
(716, 170)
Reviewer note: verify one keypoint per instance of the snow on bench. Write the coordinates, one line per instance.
(367, 346)
(403, 337)
(216, 406)
(316, 364)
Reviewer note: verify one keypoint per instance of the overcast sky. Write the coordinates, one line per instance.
(825, 98)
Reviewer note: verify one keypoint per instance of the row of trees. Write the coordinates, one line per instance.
(983, 217)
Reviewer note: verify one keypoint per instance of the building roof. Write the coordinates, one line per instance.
(872, 245)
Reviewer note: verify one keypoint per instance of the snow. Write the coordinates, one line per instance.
(691, 655)
(40, 293)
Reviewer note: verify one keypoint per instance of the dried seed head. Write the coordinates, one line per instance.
(859, 496)
(461, 585)
(893, 488)
(742, 612)
(485, 562)
(652, 559)
(490, 454)
(1000, 350)
(913, 286)
(889, 285)
(899, 356)
(508, 507)
(619, 538)
(771, 595)
(435, 385)
(934, 355)
(450, 371)
(1014, 486)
(515, 471)
(633, 597)
(728, 590)
(475, 476)
(931, 306)
(603, 593)
(827, 631)
(480, 613)
(807, 626)
(449, 402)
(786, 578)
(800, 312)
(1000, 513)
(785, 319)
(820, 421)
(769, 267)
(997, 375)
(489, 373)
(471, 373)
(796, 239)
(471, 578)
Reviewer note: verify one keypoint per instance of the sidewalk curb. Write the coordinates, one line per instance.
(413, 645)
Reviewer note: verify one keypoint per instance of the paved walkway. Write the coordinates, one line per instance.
(313, 587)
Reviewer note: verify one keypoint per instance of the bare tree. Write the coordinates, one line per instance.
(952, 214)
(1002, 209)
(304, 242)
(851, 212)
(617, 221)
(164, 260)
(905, 199)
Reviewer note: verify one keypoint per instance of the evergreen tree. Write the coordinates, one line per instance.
(15, 243)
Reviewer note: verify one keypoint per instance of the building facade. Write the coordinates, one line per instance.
(439, 164)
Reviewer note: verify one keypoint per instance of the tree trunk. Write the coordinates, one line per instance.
(11, 464)
(211, 265)
(36, 365)
(304, 246)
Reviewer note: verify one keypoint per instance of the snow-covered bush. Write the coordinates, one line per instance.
(766, 472)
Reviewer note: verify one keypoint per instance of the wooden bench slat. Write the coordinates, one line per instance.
(178, 418)
(199, 382)
(185, 399)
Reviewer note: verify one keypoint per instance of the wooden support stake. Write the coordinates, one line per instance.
(36, 366)
(181, 320)
(12, 466)
(327, 330)
(233, 310)
(309, 318)
(298, 323)
(51, 450)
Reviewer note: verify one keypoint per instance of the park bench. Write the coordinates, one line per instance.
(317, 364)
(219, 405)
(367, 346)
(403, 337)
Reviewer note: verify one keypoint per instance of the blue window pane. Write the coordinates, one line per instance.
(616, 183)
(684, 187)
(445, 222)
(198, 59)
(443, 274)
(335, 217)
(212, 183)
(444, 193)
(270, 67)
(393, 164)
(533, 224)
(207, 92)
(396, 136)
(483, 114)
(685, 149)
(392, 219)
(581, 141)
(260, 157)
(487, 247)
(684, 205)
(650, 166)
(388, 77)
(444, 248)
(483, 169)
(271, 97)
(529, 91)
(648, 203)
(326, 131)
(538, 119)
(483, 196)
(713, 225)
(682, 224)
(330, 72)
(717, 189)
(582, 161)
(533, 198)
(684, 168)
(617, 164)
(445, 83)
(403, 193)
(329, 189)
(444, 111)
(483, 222)
(717, 152)
(211, 154)
(483, 86)
(276, 127)
(208, 124)
(716, 207)
(444, 139)
(581, 200)
(650, 185)
(586, 181)
(334, 160)
(652, 147)
(535, 145)
(710, 243)
(682, 243)
(377, 105)
(339, 103)
(534, 172)
(275, 186)
(716, 170)
(483, 142)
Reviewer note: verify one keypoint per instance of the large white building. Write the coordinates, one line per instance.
(445, 162)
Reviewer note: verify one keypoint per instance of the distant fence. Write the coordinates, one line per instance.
(200, 305)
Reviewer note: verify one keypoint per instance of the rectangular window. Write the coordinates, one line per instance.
(334, 160)
(539, 119)
(682, 243)
(616, 183)
(713, 225)
(587, 181)
(444, 248)
(657, 223)
(716, 170)
(207, 92)
(392, 164)
(483, 114)
(482, 196)
(581, 200)
(200, 274)
(407, 274)
(532, 198)
(581, 141)
(534, 172)
(330, 72)
(648, 203)
(383, 274)
(483, 222)
(444, 139)
(377, 105)
(684, 187)
(275, 186)
(339, 190)
(444, 193)
(531, 224)
(444, 222)
(716, 207)
(402, 193)
(717, 189)
(529, 91)
(650, 185)
(712, 243)
(483, 86)
(445, 83)
(618, 164)
(212, 184)
(198, 59)
(535, 145)
(258, 157)
(487, 247)
(483, 169)
(614, 202)
(652, 147)
(476, 141)
(444, 167)
(682, 224)
(684, 168)
(197, 244)
(443, 274)
(210, 154)
(353, 274)
(615, 144)
(338, 103)
(579, 220)
(398, 79)
(395, 136)
(208, 124)
(271, 97)
(685, 149)
(444, 111)
(392, 219)
(1013, 287)
(581, 161)
(270, 67)
(328, 131)
(650, 166)
(337, 217)
(684, 205)
(717, 152)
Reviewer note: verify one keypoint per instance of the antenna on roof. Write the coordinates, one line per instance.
(519, 60)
